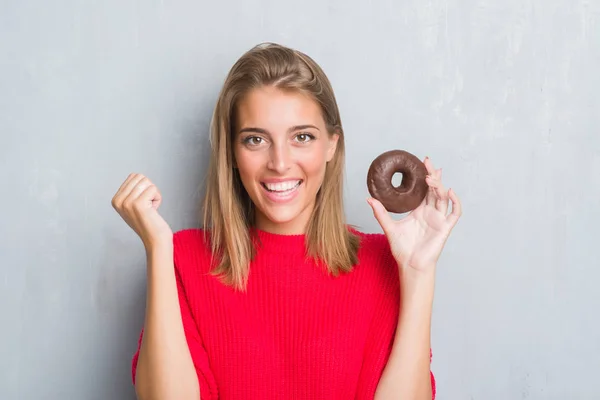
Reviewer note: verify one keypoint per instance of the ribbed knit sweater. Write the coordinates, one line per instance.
(297, 332)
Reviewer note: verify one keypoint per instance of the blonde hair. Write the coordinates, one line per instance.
(228, 210)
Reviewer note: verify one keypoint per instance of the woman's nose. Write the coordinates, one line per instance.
(279, 158)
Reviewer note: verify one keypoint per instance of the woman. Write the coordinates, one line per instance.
(277, 298)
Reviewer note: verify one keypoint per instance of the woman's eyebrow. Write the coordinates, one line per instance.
(265, 132)
(300, 127)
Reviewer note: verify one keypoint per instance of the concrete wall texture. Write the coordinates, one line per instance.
(500, 93)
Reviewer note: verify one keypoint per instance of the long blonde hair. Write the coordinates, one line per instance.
(228, 210)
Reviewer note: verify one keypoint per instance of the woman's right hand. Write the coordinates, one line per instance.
(137, 202)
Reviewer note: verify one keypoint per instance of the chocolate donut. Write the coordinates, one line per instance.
(411, 191)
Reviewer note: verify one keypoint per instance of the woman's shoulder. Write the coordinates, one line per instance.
(374, 251)
(192, 237)
(371, 243)
(191, 234)
(191, 246)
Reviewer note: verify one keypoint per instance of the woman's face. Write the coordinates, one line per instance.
(281, 150)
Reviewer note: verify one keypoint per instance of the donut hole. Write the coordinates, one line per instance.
(397, 179)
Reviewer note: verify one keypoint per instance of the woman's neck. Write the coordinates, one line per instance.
(295, 226)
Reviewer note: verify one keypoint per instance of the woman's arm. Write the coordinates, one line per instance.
(416, 242)
(164, 368)
(407, 374)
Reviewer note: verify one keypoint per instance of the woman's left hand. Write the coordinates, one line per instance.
(417, 240)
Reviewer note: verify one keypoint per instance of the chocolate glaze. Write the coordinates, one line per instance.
(411, 191)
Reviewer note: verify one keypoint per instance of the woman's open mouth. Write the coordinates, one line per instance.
(281, 191)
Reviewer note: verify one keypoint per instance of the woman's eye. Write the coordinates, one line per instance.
(253, 140)
(304, 137)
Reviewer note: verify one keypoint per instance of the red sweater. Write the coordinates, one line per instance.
(296, 333)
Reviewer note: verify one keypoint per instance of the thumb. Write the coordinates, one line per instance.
(381, 214)
(150, 198)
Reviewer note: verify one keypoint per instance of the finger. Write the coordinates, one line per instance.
(381, 214)
(453, 217)
(151, 195)
(431, 173)
(127, 187)
(440, 193)
(135, 189)
(430, 196)
(143, 201)
(429, 166)
(126, 181)
(442, 202)
(434, 183)
(118, 197)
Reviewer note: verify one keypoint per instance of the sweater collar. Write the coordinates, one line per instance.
(278, 243)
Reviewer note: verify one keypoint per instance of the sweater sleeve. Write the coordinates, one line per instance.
(382, 330)
(206, 379)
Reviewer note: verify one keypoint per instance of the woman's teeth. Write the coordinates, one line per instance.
(282, 186)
